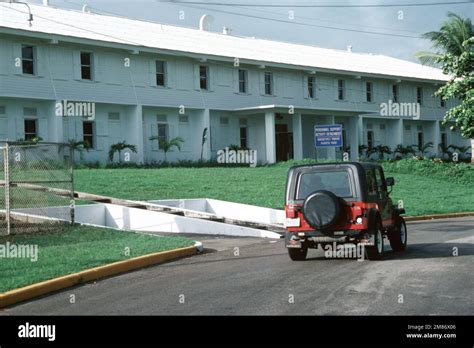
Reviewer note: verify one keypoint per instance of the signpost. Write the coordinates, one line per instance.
(328, 135)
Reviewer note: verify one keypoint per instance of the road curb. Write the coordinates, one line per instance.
(438, 216)
(35, 290)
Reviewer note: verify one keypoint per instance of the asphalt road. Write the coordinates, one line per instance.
(261, 280)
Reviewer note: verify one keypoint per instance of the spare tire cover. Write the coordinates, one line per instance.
(321, 209)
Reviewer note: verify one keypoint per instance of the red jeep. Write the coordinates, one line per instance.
(344, 202)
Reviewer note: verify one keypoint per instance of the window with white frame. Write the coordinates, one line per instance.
(86, 65)
(419, 95)
(395, 93)
(28, 60)
(204, 77)
(88, 133)
(268, 83)
(243, 133)
(243, 81)
(369, 91)
(31, 129)
(160, 73)
(341, 89)
(442, 102)
(311, 87)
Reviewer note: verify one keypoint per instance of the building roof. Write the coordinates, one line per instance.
(119, 30)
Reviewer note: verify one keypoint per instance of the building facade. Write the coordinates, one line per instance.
(83, 83)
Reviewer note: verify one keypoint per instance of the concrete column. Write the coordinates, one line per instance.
(331, 151)
(360, 129)
(354, 137)
(205, 123)
(398, 132)
(436, 137)
(55, 124)
(297, 137)
(270, 146)
(135, 134)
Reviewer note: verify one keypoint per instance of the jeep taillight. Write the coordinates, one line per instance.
(290, 211)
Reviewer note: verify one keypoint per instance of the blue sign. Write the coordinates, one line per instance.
(328, 135)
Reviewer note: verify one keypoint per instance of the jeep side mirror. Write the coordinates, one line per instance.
(390, 181)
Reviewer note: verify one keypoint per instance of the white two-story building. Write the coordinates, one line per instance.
(145, 79)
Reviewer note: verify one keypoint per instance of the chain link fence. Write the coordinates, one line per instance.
(36, 187)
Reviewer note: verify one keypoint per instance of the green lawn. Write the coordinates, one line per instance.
(76, 249)
(264, 186)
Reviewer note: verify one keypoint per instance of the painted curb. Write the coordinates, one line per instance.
(438, 216)
(35, 290)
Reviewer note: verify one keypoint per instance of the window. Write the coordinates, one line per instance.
(30, 112)
(114, 116)
(444, 140)
(341, 86)
(31, 129)
(243, 137)
(420, 140)
(369, 92)
(162, 134)
(242, 81)
(311, 85)
(204, 77)
(86, 66)
(268, 83)
(183, 119)
(442, 102)
(371, 182)
(2, 110)
(370, 139)
(88, 133)
(395, 94)
(224, 121)
(380, 181)
(160, 73)
(419, 95)
(337, 182)
(28, 60)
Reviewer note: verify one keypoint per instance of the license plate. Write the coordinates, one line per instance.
(289, 222)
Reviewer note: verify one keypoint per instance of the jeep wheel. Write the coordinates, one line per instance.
(298, 254)
(398, 237)
(375, 252)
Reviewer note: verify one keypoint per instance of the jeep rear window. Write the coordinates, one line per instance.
(338, 182)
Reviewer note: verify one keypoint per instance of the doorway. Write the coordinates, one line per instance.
(284, 143)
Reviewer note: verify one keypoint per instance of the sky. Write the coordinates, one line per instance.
(292, 21)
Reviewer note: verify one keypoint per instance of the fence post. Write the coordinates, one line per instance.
(71, 170)
(6, 161)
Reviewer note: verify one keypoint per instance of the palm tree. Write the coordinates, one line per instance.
(404, 150)
(167, 145)
(363, 150)
(119, 147)
(380, 150)
(461, 150)
(79, 146)
(424, 148)
(448, 40)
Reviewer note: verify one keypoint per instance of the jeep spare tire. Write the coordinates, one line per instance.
(322, 209)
